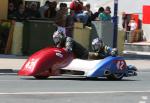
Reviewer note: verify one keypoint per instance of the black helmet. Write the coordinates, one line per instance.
(97, 44)
(58, 36)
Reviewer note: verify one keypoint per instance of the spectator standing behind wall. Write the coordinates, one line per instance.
(70, 23)
(11, 10)
(77, 6)
(105, 16)
(33, 11)
(51, 11)
(96, 14)
(90, 14)
(61, 18)
(20, 14)
(124, 21)
(132, 24)
(131, 35)
(43, 9)
(83, 17)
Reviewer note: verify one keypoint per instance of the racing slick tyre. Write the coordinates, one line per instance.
(91, 78)
(116, 76)
(41, 77)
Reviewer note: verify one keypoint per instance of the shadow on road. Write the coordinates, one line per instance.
(78, 79)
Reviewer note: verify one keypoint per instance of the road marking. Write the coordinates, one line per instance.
(145, 97)
(8, 73)
(100, 92)
(142, 101)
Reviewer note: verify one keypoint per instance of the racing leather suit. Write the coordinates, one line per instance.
(105, 51)
(72, 46)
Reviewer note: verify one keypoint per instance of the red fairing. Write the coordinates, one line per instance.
(47, 61)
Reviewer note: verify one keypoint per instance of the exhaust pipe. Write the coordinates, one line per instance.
(107, 72)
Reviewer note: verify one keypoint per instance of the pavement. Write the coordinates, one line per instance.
(12, 63)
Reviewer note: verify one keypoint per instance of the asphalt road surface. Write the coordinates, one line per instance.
(66, 89)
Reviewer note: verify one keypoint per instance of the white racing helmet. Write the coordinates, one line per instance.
(58, 36)
(97, 44)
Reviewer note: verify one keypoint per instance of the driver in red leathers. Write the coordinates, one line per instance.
(70, 45)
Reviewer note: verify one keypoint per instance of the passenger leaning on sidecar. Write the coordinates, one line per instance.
(70, 45)
(100, 50)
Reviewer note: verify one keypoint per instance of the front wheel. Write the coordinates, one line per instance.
(116, 76)
(43, 75)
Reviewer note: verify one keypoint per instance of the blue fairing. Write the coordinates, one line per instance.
(112, 64)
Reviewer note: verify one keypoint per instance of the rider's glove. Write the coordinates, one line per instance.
(114, 52)
(68, 50)
(96, 54)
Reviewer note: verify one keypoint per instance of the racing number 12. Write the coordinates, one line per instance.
(120, 64)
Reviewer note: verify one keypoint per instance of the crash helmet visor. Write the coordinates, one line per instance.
(56, 40)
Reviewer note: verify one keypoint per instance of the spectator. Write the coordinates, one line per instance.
(108, 9)
(83, 17)
(11, 10)
(51, 11)
(90, 14)
(124, 21)
(105, 16)
(27, 6)
(61, 18)
(20, 13)
(33, 12)
(95, 15)
(132, 24)
(70, 23)
(43, 9)
(77, 6)
(88, 8)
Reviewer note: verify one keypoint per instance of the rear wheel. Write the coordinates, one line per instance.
(116, 76)
(41, 77)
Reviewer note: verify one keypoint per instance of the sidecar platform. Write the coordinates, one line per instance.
(97, 68)
(80, 67)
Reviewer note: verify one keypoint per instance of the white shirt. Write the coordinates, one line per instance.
(133, 26)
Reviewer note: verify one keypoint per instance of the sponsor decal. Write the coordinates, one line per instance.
(31, 64)
(59, 53)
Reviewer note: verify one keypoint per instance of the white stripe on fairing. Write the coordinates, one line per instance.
(82, 65)
(101, 92)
